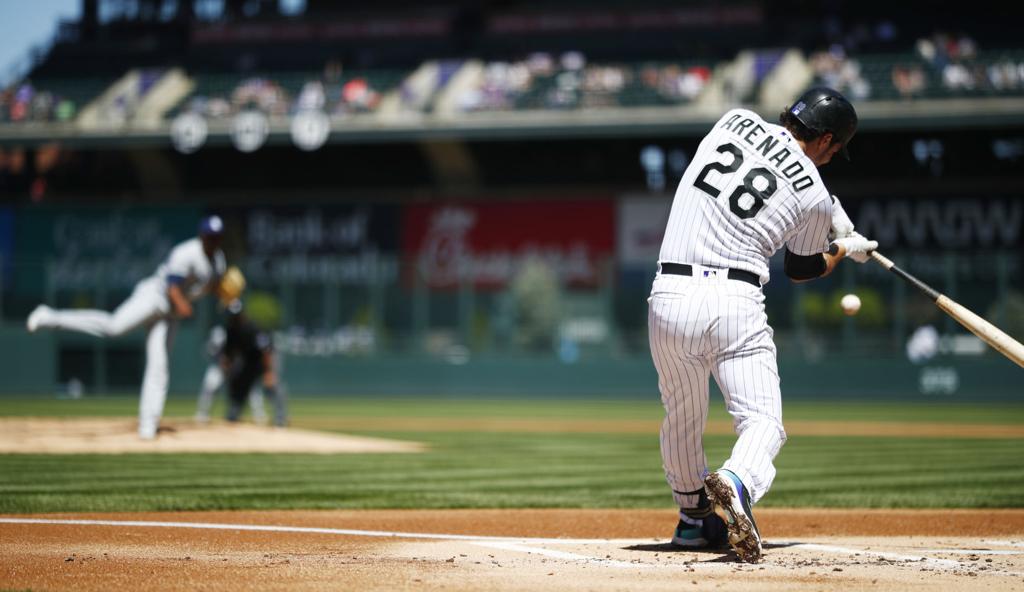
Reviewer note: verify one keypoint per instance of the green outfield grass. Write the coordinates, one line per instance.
(474, 469)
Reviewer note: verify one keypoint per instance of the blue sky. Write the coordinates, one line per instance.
(24, 24)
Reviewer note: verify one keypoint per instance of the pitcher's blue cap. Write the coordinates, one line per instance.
(211, 225)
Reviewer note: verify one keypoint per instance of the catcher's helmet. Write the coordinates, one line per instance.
(823, 110)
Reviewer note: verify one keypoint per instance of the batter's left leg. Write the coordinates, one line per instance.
(749, 380)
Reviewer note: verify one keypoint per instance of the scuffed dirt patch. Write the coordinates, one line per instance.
(27, 435)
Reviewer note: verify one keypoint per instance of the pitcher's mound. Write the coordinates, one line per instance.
(119, 436)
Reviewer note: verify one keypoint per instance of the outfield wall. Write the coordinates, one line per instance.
(31, 367)
(501, 298)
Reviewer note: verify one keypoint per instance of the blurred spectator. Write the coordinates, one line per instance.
(955, 59)
(600, 84)
(330, 92)
(42, 106)
(65, 110)
(1006, 75)
(833, 68)
(678, 85)
(311, 97)
(357, 96)
(260, 93)
(909, 80)
(566, 93)
(540, 81)
(957, 76)
(501, 84)
(22, 102)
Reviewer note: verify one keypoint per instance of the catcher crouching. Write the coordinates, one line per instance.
(247, 356)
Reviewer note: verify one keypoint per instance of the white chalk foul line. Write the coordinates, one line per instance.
(1004, 543)
(518, 544)
(305, 529)
(508, 546)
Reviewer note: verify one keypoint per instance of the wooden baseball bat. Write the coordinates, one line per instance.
(989, 333)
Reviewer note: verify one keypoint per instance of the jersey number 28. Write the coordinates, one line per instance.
(743, 208)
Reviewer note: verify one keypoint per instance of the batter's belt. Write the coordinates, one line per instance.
(733, 274)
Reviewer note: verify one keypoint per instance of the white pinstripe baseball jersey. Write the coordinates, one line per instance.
(749, 190)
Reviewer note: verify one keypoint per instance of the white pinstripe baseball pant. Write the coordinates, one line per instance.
(700, 326)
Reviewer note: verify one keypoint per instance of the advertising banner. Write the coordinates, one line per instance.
(485, 244)
(330, 244)
(969, 223)
(85, 248)
(641, 227)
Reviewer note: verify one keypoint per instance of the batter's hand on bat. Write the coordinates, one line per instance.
(842, 226)
(856, 246)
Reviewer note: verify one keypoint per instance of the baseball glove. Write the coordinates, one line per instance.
(231, 285)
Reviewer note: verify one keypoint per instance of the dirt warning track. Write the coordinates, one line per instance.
(505, 550)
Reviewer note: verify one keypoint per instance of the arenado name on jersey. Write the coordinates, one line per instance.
(748, 130)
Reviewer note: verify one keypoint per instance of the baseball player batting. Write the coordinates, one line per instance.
(752, 188)
(192, 269)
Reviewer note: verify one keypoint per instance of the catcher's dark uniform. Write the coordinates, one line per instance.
(246, 356)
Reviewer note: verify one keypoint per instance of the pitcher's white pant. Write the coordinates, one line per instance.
(148, 307)
(716, 326)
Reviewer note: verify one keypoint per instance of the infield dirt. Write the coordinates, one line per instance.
(512, 550)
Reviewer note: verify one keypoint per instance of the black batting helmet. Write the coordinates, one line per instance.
(823, 109)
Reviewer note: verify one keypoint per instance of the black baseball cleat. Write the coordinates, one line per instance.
(710, 534)
(732, 503)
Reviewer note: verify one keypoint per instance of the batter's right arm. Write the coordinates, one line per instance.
(804, 268)
(805, 259)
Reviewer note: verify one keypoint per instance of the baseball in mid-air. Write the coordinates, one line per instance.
(850, 304)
